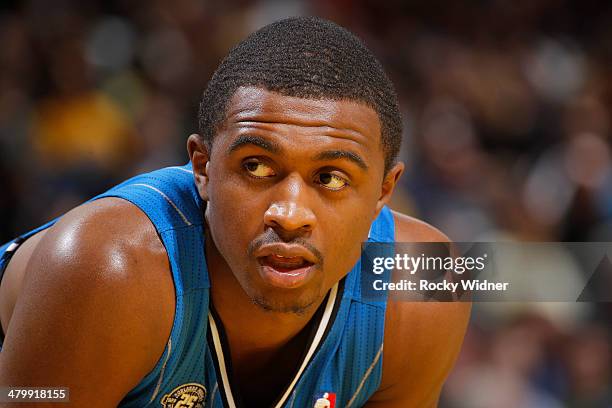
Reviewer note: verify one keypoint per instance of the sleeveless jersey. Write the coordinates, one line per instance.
(342, 365)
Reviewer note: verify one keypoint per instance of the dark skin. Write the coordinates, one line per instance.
(305, 171)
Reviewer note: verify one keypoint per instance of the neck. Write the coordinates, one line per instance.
(248, 325)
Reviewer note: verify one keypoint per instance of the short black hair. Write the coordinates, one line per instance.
(305, 57)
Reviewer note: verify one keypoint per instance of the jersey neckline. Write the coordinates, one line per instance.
(218, 345)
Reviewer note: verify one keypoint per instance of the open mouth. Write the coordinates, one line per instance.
(285, 272)
(285, 264)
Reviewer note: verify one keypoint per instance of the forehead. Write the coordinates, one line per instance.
(348, 118)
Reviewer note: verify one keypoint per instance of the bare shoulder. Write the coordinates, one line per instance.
(410, 229)
(110, 236)
(422, 339)
(96, 305)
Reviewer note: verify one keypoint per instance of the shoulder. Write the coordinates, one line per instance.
(422, 339)
(410, 229)
(97, 293)
(109, 236)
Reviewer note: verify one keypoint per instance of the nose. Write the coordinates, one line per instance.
(290, 211)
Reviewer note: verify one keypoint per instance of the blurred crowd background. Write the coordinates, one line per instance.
(508, 114)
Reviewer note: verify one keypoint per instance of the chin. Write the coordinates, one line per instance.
(290, 302)
(285, 308)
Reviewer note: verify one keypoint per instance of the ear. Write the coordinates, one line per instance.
(388, 185)
(200, 159)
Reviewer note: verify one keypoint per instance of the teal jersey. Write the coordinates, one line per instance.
(342, 363)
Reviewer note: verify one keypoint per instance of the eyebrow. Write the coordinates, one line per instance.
(342, 154)
(273, 147)
(246, 140)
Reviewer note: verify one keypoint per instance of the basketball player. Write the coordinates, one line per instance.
(234, 280)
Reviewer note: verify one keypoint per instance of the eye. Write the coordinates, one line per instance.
(258, 169)
(331, 181)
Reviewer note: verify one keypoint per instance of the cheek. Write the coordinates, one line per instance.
(345, 229)
(235, 219)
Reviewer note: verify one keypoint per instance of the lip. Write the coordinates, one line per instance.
(287, 251)
(286, 277)
(286, 280)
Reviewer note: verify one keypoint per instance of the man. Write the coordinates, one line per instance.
(234, 281)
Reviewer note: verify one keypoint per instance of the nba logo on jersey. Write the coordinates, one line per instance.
(325, 400)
